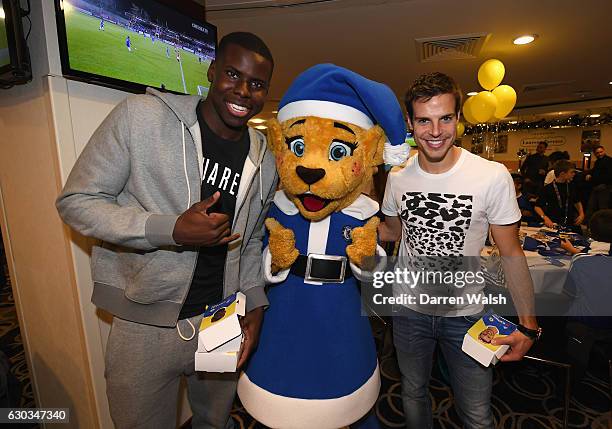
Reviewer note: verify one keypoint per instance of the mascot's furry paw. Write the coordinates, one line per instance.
(364, 242)
(282, 245)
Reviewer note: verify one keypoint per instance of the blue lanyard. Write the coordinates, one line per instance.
(566, 200)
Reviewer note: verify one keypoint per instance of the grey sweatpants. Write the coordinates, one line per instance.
(144, 365)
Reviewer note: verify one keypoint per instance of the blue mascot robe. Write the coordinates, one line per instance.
(315, 365)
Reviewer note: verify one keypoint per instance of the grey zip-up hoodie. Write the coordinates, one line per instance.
(140, 170)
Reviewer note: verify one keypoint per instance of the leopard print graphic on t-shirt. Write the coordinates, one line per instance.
(436, 224)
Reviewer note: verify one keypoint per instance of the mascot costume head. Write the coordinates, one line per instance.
(316, 366)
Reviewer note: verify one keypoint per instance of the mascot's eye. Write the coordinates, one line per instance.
(340, 149)
(297, 146)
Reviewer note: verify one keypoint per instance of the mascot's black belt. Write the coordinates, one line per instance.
(322, 268)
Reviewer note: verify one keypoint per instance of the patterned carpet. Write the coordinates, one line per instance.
(19, 382)
(526, 395)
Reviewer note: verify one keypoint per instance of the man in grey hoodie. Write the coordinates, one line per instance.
(176, 189)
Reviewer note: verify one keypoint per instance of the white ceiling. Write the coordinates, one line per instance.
(377, 39)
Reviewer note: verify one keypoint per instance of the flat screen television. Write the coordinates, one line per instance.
(132, 44)
(14, 57)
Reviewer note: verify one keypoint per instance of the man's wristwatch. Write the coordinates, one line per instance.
(532, 334)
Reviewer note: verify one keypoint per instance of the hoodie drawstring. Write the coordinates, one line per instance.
(178, 329)
(185, 166)
(260, 185)
(193, 331)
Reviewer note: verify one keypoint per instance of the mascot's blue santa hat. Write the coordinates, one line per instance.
(333, 92)
(316, 364)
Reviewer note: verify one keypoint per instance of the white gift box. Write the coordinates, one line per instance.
(220, 335)
(477, 340)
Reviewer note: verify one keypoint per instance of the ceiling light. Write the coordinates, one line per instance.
(470, 94)
(261, 127)
(594, 115)
(523, 40)
(513, 122)
(257, 121)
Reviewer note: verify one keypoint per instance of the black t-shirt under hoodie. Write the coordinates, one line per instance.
(222, 169)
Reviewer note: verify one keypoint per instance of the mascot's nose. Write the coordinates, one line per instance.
(310, 175)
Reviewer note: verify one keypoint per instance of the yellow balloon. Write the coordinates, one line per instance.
(467, 112)
(484, 105)
(460, 129)
(491, 73)
(506, 99)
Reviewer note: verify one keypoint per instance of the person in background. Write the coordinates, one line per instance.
(587, 283)
(527, 212)
(601, 174)
(176, 188)
(442, 204)
(552, 159)
(600, 227)
(534, 169)
(558, 203)
(600, 198)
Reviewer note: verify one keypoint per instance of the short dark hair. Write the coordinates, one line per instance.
(429, 85)
(562, 166)
(544, 142)
(601, 225)
(247, 41)
(557, 155)
(598, 147)
(517, 177)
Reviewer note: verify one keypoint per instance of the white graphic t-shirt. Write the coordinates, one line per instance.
(449, 214)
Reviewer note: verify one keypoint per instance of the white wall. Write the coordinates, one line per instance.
(44, 125)
(40, 264)
(563, 139)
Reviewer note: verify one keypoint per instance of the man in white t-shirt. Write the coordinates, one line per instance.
(442, 205)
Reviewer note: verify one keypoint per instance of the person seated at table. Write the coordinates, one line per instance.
(588, 284)
(558, 203)
(527, 213)
(601, 234)
(600, 198)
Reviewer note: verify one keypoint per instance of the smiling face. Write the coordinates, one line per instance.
(239, 85)
(434, 123)
(322, 163)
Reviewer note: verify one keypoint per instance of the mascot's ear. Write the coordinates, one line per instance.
(275, 136)
(374, 143)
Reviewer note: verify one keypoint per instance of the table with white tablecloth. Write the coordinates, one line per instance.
(547, 272)
(547, 278)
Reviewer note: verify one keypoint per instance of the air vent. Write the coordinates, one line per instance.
(543, 86)
(445, 48)
(224, 5)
